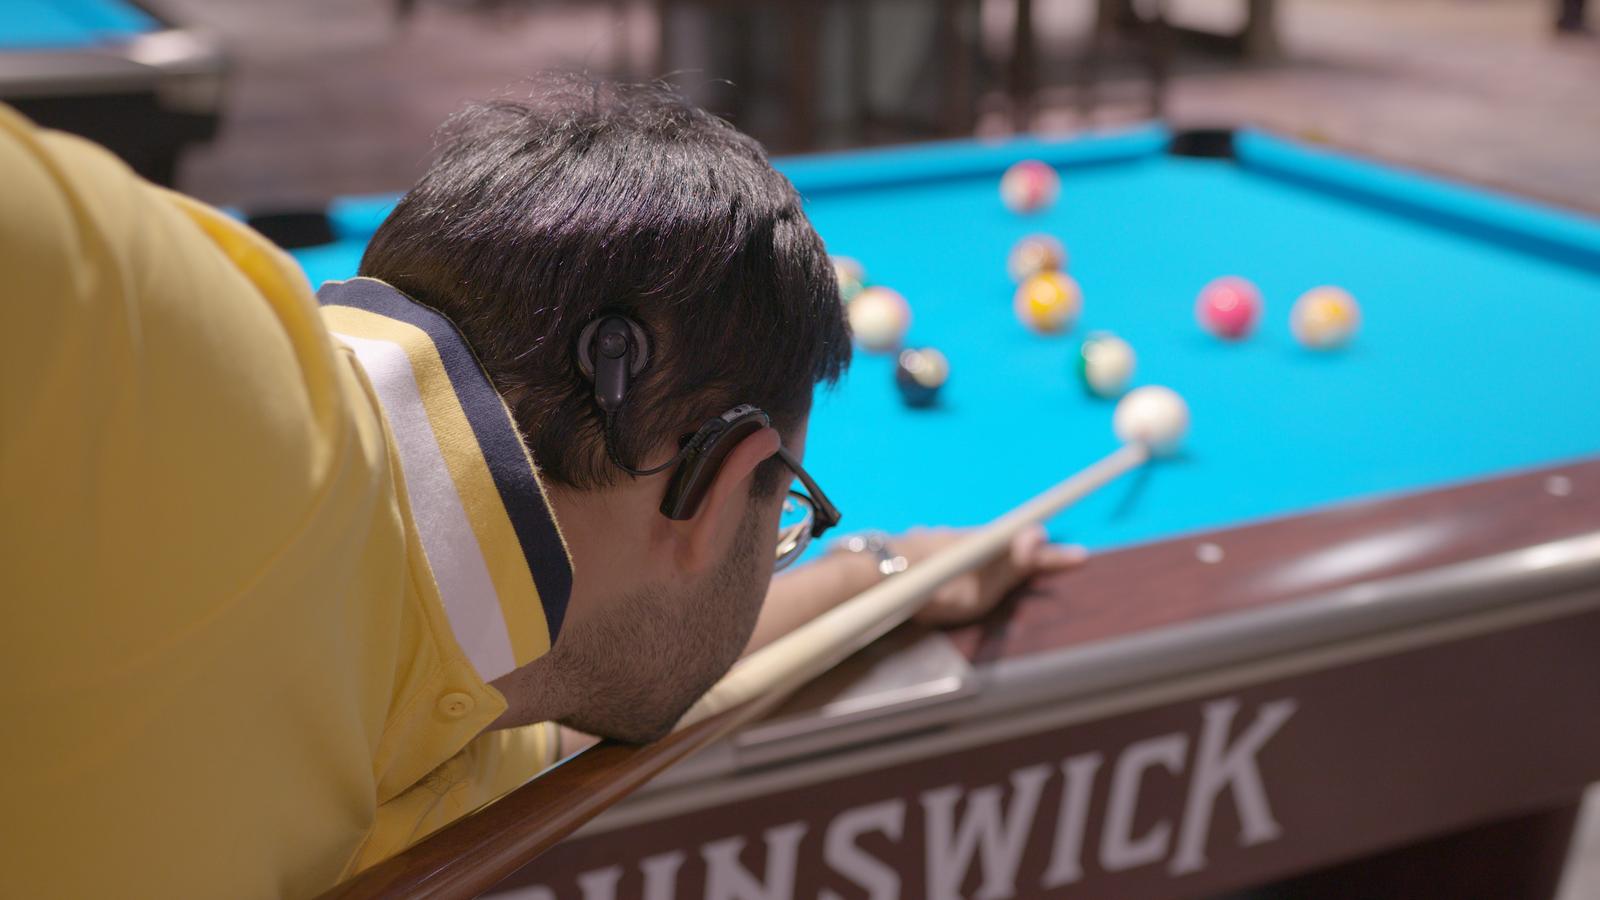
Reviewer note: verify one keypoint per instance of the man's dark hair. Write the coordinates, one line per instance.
(590, 197)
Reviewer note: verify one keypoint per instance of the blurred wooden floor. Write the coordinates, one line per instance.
(331, 97)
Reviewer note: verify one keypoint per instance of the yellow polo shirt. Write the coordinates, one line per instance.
(261, 557)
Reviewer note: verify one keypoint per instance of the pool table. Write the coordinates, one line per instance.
(1343, 644)
(115, 71)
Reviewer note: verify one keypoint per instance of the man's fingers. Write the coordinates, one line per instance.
(1031, 551)
(1026, 546)
(1055, 557)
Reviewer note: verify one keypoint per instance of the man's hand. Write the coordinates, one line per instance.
(805, 592)
(973, 595)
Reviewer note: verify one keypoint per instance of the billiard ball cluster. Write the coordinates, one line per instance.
(1049, 301)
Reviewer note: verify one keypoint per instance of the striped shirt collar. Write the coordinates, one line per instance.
(484, 522)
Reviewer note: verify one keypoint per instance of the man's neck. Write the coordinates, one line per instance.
(608, 534)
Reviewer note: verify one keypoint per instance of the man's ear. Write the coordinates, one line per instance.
(724, 504)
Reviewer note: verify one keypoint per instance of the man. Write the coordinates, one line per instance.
(285, 591)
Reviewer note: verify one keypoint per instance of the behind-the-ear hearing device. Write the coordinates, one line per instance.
(612, 351)
(703, 456)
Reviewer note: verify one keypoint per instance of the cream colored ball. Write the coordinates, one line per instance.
(879, 319)
(1154, 416)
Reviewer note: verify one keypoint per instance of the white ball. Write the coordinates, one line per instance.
(1154, 416)
(1107, 363)
(879, 318)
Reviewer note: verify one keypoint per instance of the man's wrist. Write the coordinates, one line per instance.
(873, 547)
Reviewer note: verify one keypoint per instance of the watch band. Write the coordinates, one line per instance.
(876, 545)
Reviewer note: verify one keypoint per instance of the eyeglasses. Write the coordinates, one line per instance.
(805, 516)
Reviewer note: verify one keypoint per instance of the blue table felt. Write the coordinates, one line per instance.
(1479, 352)
(69, 24)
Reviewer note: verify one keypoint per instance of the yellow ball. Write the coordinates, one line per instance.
(1049, 302)
(1324, 318)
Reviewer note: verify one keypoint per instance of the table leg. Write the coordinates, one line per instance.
(1024, 67)
(858, 24)
(622, 39)
(1158, 47)
(657, 67)
(955, 33)
(1108, 17)
(805, 23)
(739, 27)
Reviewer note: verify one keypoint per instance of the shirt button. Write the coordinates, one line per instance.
(455, 704)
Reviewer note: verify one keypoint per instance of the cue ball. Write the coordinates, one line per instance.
(920, 373)
(1029, 186)
(879, 318)
(1034, 254)
(1229, 308)
(1324, 318)
(1049, 302)
(1105, 364)
(852, 277)
(1154, 416)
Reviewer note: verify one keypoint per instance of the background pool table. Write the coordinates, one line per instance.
(1342, 646)
(117, 72)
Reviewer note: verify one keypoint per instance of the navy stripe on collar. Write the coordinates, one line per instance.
(498, 440)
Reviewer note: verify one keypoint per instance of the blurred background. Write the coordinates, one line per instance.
(283, 105)
(327, 97)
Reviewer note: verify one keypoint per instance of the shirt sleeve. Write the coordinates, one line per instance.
(202, 549)
(168, 404)
(494, 764)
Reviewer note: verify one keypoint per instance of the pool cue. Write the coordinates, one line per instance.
(817, 646)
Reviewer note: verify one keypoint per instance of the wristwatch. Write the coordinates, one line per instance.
(876, 545)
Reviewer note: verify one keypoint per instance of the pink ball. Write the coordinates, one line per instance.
(1029, 186)
(1229, 308)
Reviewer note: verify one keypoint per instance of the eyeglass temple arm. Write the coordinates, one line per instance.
(827, 514)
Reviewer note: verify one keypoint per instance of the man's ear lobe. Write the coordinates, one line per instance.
(723, 507)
